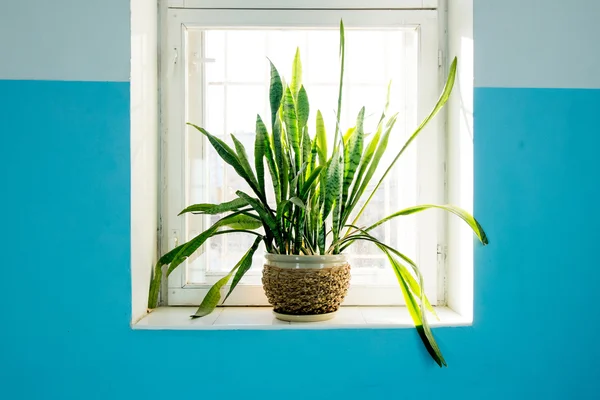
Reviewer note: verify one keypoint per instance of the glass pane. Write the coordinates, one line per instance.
(214, 117)
(245, 56)
(214, 51)
(242, 104)
(234, 88)
(365, 57)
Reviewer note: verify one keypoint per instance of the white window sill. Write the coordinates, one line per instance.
(261, 318)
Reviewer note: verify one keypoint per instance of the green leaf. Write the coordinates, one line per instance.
(464, 215)
(284, 171)
(313, 154)
(275, 94)
(418, 318)
(230, 157)
(372, 166)
(341, 85)
(322, 234)
(306, 147)
(155, 282)
(308, 184)
(194, 244)
(353, 153)
(157, 276)
(244, 221)
(439, 105)
(348, 133)
(212, 298)
(243, 159)
(415, 286)
(321, 139)
(225, 152)
(291, 125)
(297, 201)
(212, 209)
(280, 158)
(416, 312)
(272, 229)
(364, 164)
(261, 130)
(294, 181)
(260, 144)
(296, 82)
(244, 265)
(333, 183)
(302, 108)
(416, 289)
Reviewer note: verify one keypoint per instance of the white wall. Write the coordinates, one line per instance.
(144, 149)
(459, 278)
(71, 40)
(537, 43)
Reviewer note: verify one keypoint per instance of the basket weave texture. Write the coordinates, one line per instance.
(309, 291)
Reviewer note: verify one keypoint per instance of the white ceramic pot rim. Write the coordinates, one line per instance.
(302, 261)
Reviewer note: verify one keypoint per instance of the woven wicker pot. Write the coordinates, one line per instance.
(305, 288)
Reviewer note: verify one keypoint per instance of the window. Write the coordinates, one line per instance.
(215, 74)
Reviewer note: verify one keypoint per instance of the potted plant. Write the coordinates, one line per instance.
(315, 215)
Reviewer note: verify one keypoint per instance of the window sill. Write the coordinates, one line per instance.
(261, 318)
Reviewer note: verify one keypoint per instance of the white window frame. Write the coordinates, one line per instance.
(431, 147)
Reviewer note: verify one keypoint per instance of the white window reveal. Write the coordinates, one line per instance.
(216, 75)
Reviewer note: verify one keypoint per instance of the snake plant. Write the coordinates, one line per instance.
(316, 190)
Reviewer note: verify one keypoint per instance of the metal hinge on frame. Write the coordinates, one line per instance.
(441, 252)
(440, 58)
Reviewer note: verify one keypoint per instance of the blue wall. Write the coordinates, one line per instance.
(64, 330)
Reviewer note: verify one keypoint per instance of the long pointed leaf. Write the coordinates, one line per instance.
(268, 153)
(306, 148)
(313, 154)
(267, 218)
(275, 94)
(243, 159)
(352, 154)
(415, 286)
(260, 144)
(462, 214)
(439, 105)
(296, 81)
(212, 298)
(364, 164)
(194, 244)
(212, 209)
(244, 265)
(291, 126)
(244, 221)
(321, 139)
(416, 310)
(308, 184)
(285, 169)
(302, 108)
(298, 202)
(417, 314)
(341, 85)
(372, 166)
(230, 157)
(157, 275)
(333, 183)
